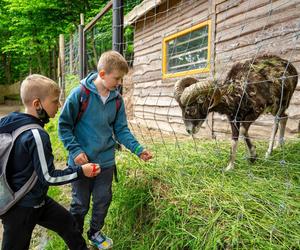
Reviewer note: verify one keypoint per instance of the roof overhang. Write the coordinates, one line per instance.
(140, 10)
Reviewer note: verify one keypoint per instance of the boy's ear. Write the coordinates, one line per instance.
(101, 73)
(36, 103)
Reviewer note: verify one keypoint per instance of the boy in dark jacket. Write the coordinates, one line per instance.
(32, 152)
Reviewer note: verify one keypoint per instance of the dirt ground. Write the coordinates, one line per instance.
(6, 109)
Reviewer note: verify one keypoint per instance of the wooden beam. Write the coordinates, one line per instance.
(92, 23)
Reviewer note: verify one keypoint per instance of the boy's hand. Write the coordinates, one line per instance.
(81, 159)
(91, 169)
(145, 155)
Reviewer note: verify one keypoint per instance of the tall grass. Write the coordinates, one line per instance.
(182, 199)
(190, 203)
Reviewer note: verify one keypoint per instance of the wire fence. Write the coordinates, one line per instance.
(71, 63)
(169, 40)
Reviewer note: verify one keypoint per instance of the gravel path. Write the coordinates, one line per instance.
(6, 109)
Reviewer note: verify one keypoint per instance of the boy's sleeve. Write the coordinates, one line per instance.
(66, 123)
(42, 159)
(123, 133)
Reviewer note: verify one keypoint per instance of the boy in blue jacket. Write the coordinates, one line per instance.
(32, 152)
(90, 139)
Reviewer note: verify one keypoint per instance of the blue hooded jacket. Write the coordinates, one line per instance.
(93, 133)
(25, 158)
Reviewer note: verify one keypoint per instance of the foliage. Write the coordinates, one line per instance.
(30, 29)
(99, 39)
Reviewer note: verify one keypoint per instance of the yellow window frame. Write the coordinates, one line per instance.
(182, 33)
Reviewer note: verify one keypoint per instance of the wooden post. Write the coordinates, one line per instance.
(71, 55)
(81, 48)
(58, 72)
(81, 19)
(212, 15)
(62, 66)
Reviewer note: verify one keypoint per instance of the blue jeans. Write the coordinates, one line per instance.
(100, 189)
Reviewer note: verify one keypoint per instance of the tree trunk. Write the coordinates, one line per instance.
(6, 62)
(95, 59)
(54, 61)
(30, 65)
(50, 63)
(40, 64)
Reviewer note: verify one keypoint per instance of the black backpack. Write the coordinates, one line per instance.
(7, 196)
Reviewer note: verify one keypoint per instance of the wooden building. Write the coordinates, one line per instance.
(208, 37)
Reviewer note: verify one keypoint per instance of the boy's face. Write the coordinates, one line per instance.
(113, 79)
(51, 104)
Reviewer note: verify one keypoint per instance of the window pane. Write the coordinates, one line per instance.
(188, 52)
(190, 45)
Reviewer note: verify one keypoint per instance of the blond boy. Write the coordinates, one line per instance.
(90, 139)
(32, 152)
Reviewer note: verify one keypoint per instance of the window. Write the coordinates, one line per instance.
(187, 52)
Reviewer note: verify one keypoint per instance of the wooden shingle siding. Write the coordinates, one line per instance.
(240, 30)
(153, 97)
(247, 28)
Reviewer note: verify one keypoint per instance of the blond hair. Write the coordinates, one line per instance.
(37, 87)
(112, 60)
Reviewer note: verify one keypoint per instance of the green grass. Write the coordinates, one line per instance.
(52, 127)
(184, 200)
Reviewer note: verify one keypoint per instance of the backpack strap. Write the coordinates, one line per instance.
(83, 101)
(33, 179)
(118, 145)
(118, 102)
(22, 129)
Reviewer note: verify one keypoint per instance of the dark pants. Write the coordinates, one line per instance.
(18, 224)
(100, 190)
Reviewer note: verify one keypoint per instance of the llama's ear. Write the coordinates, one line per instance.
(216, 98)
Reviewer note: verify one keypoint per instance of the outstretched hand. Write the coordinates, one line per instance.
(145, 155)
(91, 169)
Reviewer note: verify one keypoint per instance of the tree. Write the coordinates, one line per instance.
(30, 28)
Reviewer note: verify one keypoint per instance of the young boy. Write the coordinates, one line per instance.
(32, 152)
(91, 140)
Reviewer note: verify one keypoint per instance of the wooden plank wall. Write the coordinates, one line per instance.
(153, 103)
(248, 28)
(241, 29)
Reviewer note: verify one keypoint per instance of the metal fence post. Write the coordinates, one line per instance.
(118, 23)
